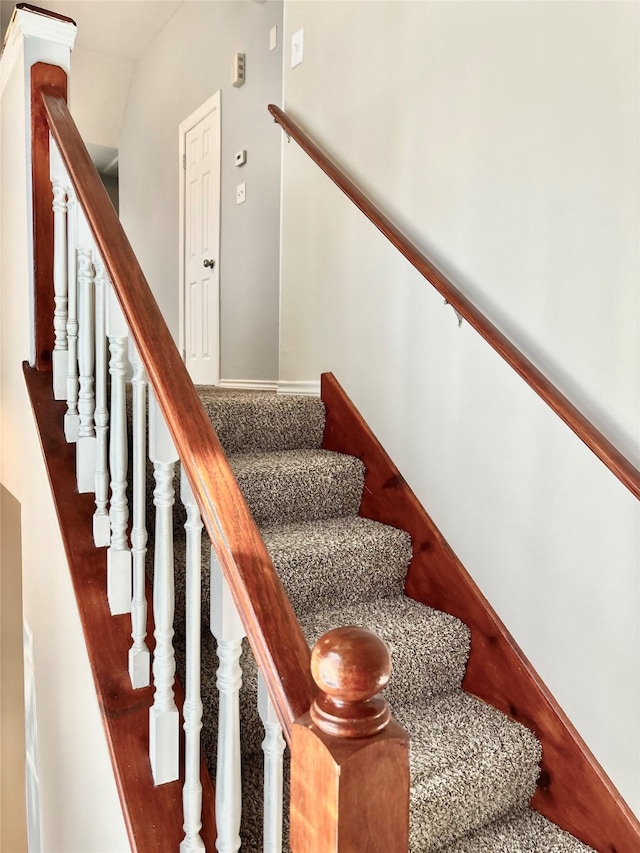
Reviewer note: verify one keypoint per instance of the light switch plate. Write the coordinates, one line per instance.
(273, 38)
(297, 48)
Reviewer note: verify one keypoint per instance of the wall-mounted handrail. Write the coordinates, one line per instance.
(272, 628)
(615, 461)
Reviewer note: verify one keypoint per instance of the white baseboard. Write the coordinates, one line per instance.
(248, 384)
(310, 387)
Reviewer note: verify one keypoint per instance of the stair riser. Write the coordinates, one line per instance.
(351, 559)
(301, 489)
(264, 422)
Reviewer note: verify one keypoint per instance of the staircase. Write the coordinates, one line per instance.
(473, 770)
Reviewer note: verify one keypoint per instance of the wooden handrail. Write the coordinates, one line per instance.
(615, 461)
(272, 628)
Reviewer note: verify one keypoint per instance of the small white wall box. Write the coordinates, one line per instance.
(297, 48)
(237, 76)
(241, 157)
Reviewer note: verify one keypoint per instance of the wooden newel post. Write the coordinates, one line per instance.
(349, 757)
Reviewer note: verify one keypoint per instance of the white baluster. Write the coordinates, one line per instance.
(71, 418)
(101, 526)
(118, 555)
(86, 444)
(273, 747)
(192, 791)
(60, 354)
(163, 715)
(139, 658)
(227, 628)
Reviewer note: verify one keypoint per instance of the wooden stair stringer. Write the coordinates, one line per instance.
(573, 790)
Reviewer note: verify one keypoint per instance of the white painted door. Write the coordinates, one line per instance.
(201, 295)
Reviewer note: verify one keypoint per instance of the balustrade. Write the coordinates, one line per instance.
(86, 442)
(60, 354)
(119, 554)
(93, 353)
(163, 714)
(71, 417)
(101, 524)
(227, 628)
(273, 746)
(192, 791)
(139, 657)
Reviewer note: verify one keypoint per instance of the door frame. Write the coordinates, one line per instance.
(211, 105)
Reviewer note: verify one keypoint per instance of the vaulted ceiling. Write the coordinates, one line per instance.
(112, 35)
(123, 28)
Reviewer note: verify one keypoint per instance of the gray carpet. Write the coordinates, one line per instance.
(473, 770)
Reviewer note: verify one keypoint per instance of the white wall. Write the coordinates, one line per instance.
(110, 36)
(80, 811)
(187, 63)
(98, 88)
(504, 138)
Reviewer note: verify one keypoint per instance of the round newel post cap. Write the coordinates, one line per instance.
(350, 667)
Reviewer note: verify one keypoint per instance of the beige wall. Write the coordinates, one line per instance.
(13, 823)
(503, 136)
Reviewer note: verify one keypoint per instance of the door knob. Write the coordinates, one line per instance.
(209, 264)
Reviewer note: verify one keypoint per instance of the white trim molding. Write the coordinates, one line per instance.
(310, 387)
(248, 384)
(30, 24)
(43, 26)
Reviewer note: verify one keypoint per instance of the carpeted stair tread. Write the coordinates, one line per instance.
(429, 649)
(470, 764)
(519, 832)
(456, 727)
(349, 559)
(263, 420)
(299, 485)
